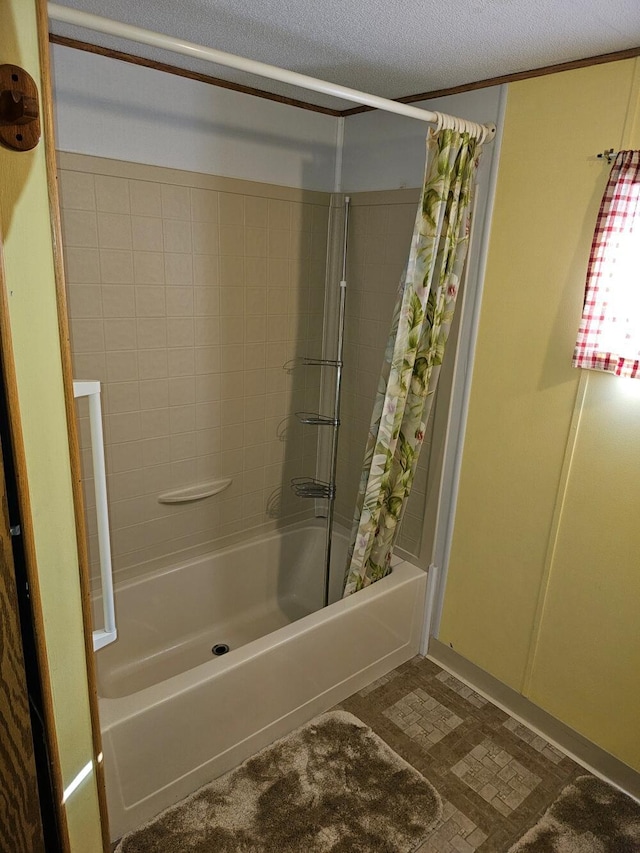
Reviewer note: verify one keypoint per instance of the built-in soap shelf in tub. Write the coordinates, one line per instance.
(194, 493)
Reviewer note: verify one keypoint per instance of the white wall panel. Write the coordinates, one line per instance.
(383, 151)
(126, 112)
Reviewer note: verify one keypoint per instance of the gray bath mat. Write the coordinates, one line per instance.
(331, 787)
(588, 817)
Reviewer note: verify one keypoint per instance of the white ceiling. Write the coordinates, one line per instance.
(379, 46)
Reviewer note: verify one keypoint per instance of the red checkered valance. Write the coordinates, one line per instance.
(609, 335)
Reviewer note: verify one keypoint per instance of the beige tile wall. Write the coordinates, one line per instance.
(380, 229)
(187, 295)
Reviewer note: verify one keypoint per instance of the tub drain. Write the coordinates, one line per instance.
(220, 649)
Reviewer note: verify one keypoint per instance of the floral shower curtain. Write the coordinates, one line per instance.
(415, 349)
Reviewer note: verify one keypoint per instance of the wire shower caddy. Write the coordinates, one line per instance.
(311, 487)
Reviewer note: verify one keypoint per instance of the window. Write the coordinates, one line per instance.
(609, 335)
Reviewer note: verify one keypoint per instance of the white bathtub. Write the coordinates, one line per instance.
(174, 716)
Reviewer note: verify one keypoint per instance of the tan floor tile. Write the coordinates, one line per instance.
(534, 740)
(461, 689)
(422, 718)
(454, 833)
(496, 776)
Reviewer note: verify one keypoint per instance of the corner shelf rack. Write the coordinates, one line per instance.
(314, 419)
(322, 362)
(310, 487)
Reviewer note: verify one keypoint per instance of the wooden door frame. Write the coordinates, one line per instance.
(10, 389)
(18, 771)
(19, 458)
(46, 96)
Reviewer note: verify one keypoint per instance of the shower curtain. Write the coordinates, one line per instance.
(415, 349)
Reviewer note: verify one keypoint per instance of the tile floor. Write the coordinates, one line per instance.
(495, 776)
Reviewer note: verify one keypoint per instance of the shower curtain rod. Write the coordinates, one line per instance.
(67, 15)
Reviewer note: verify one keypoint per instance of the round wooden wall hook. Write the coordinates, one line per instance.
(19, 109)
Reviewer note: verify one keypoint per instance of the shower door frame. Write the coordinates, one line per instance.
(457, 411)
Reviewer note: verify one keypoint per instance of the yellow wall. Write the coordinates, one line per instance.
(25, 226)
(543, 580)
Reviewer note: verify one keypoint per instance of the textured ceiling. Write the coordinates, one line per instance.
(386, 48)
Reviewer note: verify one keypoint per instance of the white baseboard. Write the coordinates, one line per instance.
(593, 758)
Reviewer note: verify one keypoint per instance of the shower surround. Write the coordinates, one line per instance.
(188, 293)
(190, 296)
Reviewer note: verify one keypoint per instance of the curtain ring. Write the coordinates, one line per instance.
(443, 121)
(477, 131)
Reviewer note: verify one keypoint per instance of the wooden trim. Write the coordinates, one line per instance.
(21, 814)
(190, 75)
(31, 564)
(583, 751)
(600, 59)
(72, 426)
